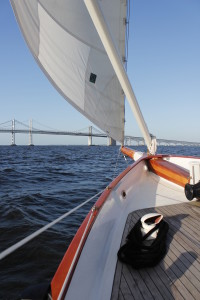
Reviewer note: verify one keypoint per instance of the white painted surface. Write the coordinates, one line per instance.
(94, 273)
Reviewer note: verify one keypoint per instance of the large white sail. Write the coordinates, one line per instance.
(62, 38)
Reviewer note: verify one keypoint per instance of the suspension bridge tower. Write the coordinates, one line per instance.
(30, 133)
(90, 136)
(13, 133)
(111, 142)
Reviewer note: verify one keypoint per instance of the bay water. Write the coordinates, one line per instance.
(37, 185)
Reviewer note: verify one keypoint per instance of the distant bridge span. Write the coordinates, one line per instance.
(52, 132)
(11, 127)
(130, 140)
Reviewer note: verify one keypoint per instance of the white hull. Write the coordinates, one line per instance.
(94, 272)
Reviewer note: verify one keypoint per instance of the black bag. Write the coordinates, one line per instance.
(140, 252)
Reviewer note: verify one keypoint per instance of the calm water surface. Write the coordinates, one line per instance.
(39, 184)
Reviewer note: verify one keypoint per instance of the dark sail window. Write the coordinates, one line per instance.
(93, 78)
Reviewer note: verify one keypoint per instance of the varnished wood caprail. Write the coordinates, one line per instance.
(169, 171)
(161, 167)
(135, 155)
(127, 151)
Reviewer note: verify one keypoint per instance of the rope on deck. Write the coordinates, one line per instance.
(27, 239)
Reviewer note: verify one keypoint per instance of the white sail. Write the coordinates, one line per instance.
(62, 38)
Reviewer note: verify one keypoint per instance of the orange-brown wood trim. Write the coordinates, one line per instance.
(169, 171)
(163, 168)
(64, 267)
(127, 151)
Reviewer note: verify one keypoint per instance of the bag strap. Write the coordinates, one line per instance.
(151, 231)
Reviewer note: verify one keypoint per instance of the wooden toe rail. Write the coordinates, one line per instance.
(162, 168)
(169, 171)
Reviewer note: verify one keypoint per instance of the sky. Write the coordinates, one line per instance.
(163, 67)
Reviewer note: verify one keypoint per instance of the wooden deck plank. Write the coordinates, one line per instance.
(172, 288)
(180, 288)
(187, 260)
(161, 286)
(118, 275)
(176, 260)
(165, 292)
(184, 226)
(194, 264)
(171, 277)
(140, 283)
(125, 290)
(183, 264)
(147, 278)
(184, 235)
(190, 217)
(193, 219)
(177, 276)
(184, 242)
(189, 288)
(120, 296)
(132, 283)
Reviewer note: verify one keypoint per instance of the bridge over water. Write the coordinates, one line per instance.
(130, 140)
(16, 127)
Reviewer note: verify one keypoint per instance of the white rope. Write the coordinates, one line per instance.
(125, 159)
(114, 173)
(24, 241)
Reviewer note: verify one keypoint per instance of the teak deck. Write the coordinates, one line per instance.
(177, 276)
